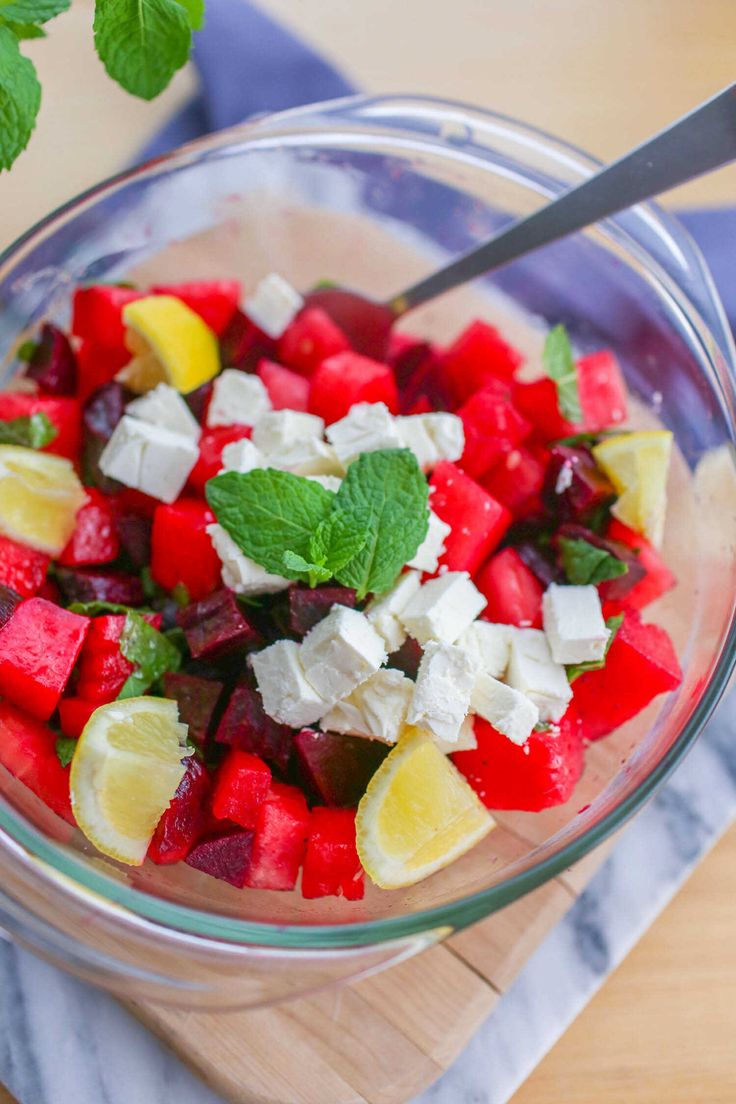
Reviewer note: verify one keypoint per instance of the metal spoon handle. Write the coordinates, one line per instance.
(702, 140)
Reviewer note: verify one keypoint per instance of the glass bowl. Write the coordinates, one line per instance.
(373, 192)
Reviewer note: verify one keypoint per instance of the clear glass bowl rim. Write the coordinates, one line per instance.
(103, 891)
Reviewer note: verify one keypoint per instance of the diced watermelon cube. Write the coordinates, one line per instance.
(331, 864)
(602, 393)
(311, 338)
(181, 549)
(286, 389)
(478, 355)
(478, 521)
(242, 785)
(512, 591)
(280, 839)
(103, 669)
(216, 625)
(185, 819)
(215, 301)
(641, 663)
(97, 314)
(492, 427)
(211, 444)
(658, 579)
(28, 751)
(64, 414)
(336, 768)
(197, 699)
(348, 378)
(22, 569)
(39, 646)
(227, 857)
(95, 538)
(74, 714)
(96, 367)
(247, 726)
(542, 772)
(516, 480)
(53, 365)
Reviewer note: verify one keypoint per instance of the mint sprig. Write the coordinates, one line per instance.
(35, 431)
(575, 670)
(65, 748)
(142, 43)
(559, 364)
(585, 564)
(151, 653)
(20, 97)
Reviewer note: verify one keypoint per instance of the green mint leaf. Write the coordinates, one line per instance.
(180, 595)
(142, 43)
(340, 537)
(296, 567)
(574, 670)
(35, 432)
(195, 13)
(27, 351)
(91, 609)
(151, 589)
(32, 11)
(65, 748)
(559, 365)
(23, 31)
(542, 726)
(387, 494)
(149, 651)
(585, 564)
(269, 512)
(20, 98)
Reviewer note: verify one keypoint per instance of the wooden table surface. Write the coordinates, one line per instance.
(604, 74)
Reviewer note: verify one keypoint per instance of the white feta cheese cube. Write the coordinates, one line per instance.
(489, 644)
(239, 572)
(149, 458)
(273, 305)
(383, 611)
(164, 406)
(573, 622)
(432, 437)
(466, 740)
(308, 456)
(286, 694)
(340, 652)
(533, 671)
(242, 456)
(329, 482)
(377, 708)
(279, 429)
(443, 608)
(237, 399)
(428, 554)
(443, 689)
(366, 428)
(508, 710)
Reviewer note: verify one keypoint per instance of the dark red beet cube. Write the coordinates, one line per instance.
(103, 410)
(280, 839)
(657, 578)
(181, 826)
(574, 485)
(53, 365)
(227, 857)
(407, 658)
(211, 444)
(242, 785)
(39, 646)
(9, 602)
(246, 725)
(348, 378)
(478, 355)
(242, 344)
(493, 426)
(215, 301)
(215, 625)
(331, 864)
(478, 521)
(74, 714)
(86, 585)
(134, 533)
(181, 549)
(338, 768)
(286, 389)
(516, 480)
(512, 591)
(197, 699)
(307, 607)
(311, 338)
(28, 751)
(95, 539)
(21, 568)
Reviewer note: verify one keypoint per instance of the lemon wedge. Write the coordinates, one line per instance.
(637, 464)
(417, 815)
(127, 765)
(170, 344)
(39, 498)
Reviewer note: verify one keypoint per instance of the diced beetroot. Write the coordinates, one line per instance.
(492, 427)
(246, 725)
(215, 301)
(28, 751)
(197, 699)
(53, 365)
(516, 480)
(348, 378)
(95, 539)
(9, 602)
(184, 821)
(614, 589)
(103, 669)
(242, 344)
(602, 394)
(658, 578)
(128, 500)
(64, 414)
(541, 773)
(641, 663)
(331, 864)
(280, 839)
(407, 658)
(286, 389)
(421, 406)
(22, 569)
(574, 485)
(311, 338)
(50, 591)
(103, 410)
(198, 400)
(97, 367)
(97, 314)
(134, 533)
(74, 714)
(211, 444)
(338, 768)
(85, 585)
(308, 606)
(227, 857)
(181, 549)
(478, 355)
(215, 625)
(406, 354)
(478, 521)
(512, 591)
(545, 568)
(39, 646)
(242, 785)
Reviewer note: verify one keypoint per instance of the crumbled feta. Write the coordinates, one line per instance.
(432, 437)
(164, 406)
(366, 428)
(340, 652)
(377, 708)
(286, 694)
(427, 557)
(573, 622)
(308, 456)
(240, 573)
(466, 740)
(383, 611)
(442, 692)
(508, 710)
(564, 478)
(237, 399)
(443, 608)
(273, 305)
(533, 671)
(242, 456)
(489, 643)
(329, 482)
(279, 429)
(149, 458)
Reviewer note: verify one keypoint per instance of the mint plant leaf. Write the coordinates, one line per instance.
(584, 563)
(268, 512)
(32, 11)
(23, 31)
(340, 537)
(387, 492)
(91, 609)
(150, 652)
(142, 43)
(20, 98)
(559, 365)
(296, 567)
(65, 748)
(575, 670)
(35, 431)
(195, 13)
